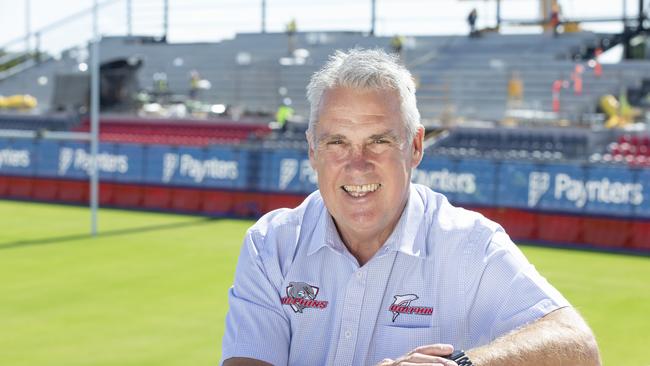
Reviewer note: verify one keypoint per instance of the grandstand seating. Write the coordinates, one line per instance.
(51, 122)
(174, 132)
(519, 143)
(630, 149)
(464, 76)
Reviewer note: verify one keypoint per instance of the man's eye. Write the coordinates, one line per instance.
(335, 142)
(381, 141)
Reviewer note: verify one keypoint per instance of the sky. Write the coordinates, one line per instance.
(212, 20)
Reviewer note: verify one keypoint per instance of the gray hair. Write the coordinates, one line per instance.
(365, 69)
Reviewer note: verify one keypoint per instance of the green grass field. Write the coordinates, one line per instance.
(151, 289)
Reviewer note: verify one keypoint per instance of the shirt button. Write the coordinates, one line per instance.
(359, 275)
(347, 334)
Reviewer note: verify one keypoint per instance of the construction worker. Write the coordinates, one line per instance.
(284, 113)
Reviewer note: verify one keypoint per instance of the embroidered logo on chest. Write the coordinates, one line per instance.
(301, 295)
(402, 305)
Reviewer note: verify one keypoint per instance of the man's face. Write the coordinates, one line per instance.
(363, 158)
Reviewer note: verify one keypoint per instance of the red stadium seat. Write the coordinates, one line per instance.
(178, 132)
(559, 228)
(158, 198)
(624, 138)
(645, 141)
(606, 232)
(643, 150)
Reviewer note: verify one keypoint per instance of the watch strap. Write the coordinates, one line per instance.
(460, 358)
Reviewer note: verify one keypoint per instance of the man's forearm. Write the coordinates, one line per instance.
(242, 361)
(559, 338)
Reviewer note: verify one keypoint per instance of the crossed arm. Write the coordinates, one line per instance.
(559, 338)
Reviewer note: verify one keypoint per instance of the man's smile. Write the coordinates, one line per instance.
(360, 190)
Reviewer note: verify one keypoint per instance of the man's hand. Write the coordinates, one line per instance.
(433, 354)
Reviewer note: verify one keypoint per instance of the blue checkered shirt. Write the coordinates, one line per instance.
(445, 275)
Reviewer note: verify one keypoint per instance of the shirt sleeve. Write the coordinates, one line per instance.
(509, 292)
(256, 326)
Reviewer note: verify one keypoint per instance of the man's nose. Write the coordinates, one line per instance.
(358, 158)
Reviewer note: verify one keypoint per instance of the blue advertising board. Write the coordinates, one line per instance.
(290, 172)
(17, 157)
(643, 208)
(557, 187)
(468, 182)
(227, 167)
(483, 190)
(47, 158)
(611, 190)
(440, 174)
(160, 164)
(130, 159)
(512, 185)
(214, 167)
(190, 170)
(75, 161)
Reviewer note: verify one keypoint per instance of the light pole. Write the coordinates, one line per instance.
(263, 16)
(94, 123)
(28, 26)
(373, 16)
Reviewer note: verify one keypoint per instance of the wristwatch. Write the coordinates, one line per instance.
(460, 358)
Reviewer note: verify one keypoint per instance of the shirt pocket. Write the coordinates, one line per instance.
(393, 342)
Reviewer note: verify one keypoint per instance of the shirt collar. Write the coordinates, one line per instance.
(403, 238)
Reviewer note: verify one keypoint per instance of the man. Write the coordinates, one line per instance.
(372, 269)
(471, 21)
(555, 18)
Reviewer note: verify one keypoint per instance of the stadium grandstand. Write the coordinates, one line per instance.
(531, 129)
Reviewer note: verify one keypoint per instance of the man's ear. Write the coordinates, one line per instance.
(312, 152)
(418, 147)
